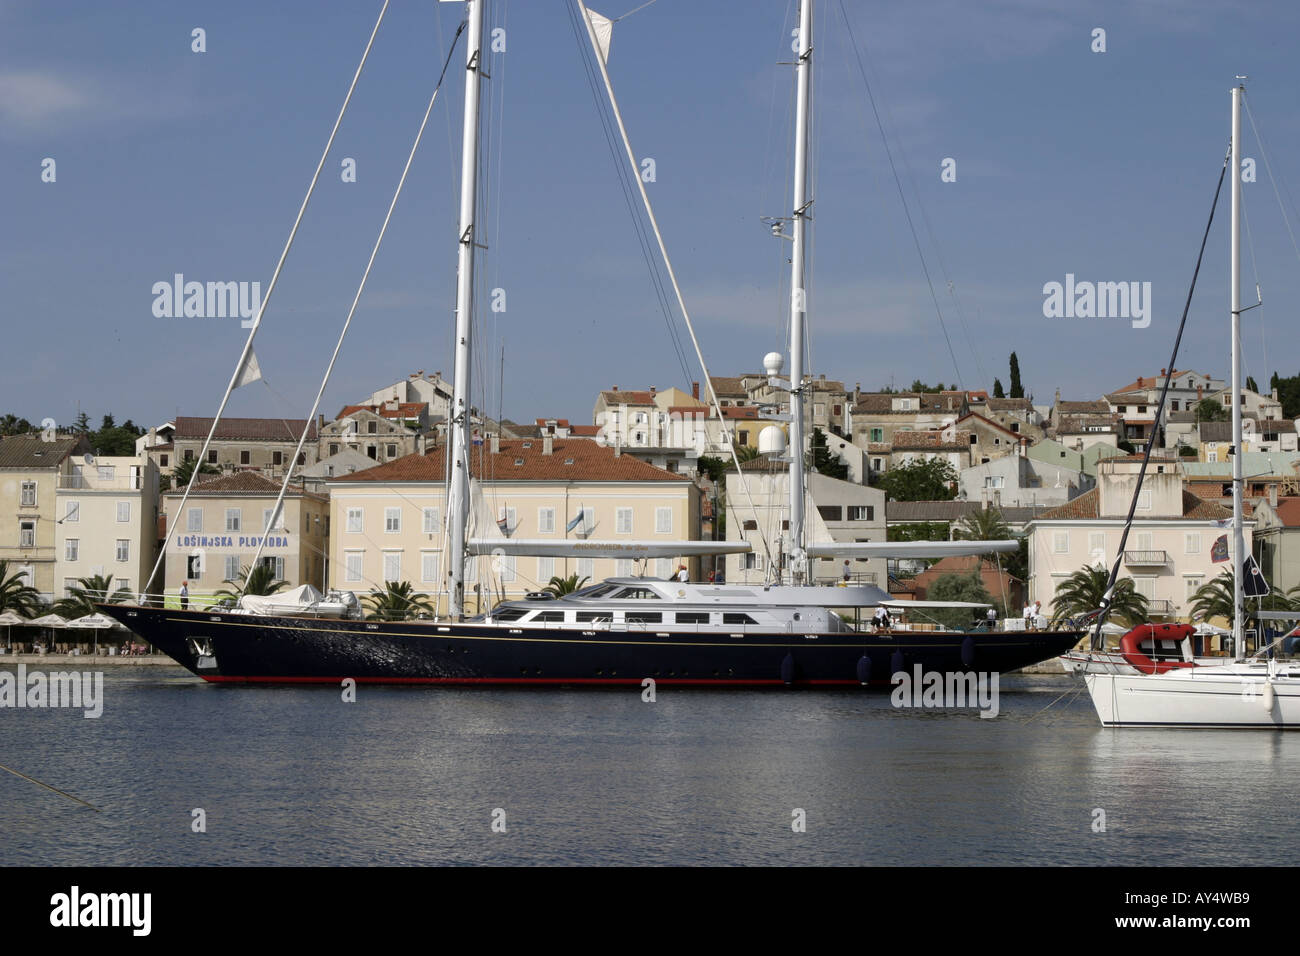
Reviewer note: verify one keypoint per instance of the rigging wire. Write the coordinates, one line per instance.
(1107, 595)
(667, 262)
(611, 142)
(911, 225)
(356, 299)
(246, 354)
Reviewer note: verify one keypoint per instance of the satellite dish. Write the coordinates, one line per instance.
(88, 458)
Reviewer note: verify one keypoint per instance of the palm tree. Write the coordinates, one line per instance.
(562, 586)
(1214, 599)
(1082, 591)
(16, 595)
(261, 582)
(96, 589)
(986, 524)
(396, 602)
(180, 477)
(746, 453)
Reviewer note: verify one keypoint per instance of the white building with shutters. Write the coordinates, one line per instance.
(1170, 551)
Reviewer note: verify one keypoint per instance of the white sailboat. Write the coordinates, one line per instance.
(1258, 692)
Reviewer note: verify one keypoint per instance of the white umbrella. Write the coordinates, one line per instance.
(9, 619)
(95, 621)
(49, 620)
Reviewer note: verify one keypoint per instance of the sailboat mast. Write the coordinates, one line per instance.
(1238, 538)
(798, 294)
(459, 432)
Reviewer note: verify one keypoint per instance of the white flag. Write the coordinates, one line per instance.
(602, 29)
(249, 371)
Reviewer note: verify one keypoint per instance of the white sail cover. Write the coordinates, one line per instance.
(602, 547)
(908, 549)
(285, 602)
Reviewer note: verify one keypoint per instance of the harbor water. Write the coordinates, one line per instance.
(187, 773)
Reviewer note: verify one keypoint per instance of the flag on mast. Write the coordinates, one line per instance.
(1253, 583)
(249, 370)
(1219, 550)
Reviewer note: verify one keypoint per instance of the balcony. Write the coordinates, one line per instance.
(1159, 607)
(95, 483)
(1146, 559)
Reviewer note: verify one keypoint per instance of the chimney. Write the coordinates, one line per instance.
(1200, 391)
(548, 443)
(695, 390)
(1272, 493)
(494, 443)
(1274, 394)
(857, 393)
(652, 391)
(618, 449)
(1164, 372)
(614, 389)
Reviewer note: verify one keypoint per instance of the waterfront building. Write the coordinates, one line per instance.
(107, 521)
(30, 470)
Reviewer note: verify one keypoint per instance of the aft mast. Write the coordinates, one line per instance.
(458, 478)
(798, 295)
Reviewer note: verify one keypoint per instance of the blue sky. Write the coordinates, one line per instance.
(1068, 161)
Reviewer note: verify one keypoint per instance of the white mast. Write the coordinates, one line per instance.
(798, 295)
(1238, 538)
(458, 491)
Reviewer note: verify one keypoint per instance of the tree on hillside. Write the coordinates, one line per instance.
(1210, 410)
(180, 478)
(997, 389)
(957, 587)
(921, 479)
(822, 461)
(1017, 389)
(1250, 384)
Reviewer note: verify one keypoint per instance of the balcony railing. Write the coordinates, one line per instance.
(1147, 558)
(1160, 607)
(95, 483)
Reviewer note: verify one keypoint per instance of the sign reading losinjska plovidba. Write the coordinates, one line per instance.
(1098, 300)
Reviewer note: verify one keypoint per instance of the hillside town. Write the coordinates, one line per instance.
(365, 507)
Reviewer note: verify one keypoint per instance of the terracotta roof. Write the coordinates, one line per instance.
(1098, 407)
(168, 446)
(746, 412)
(33, 452)
(727, 387)
(1087, 506)
(991, 424)
(403, 410)
(1288, 511)
(883, 402)
(250, 483)
(1216, 431)
(616, 397)
(559, 422)
(1152, 382)
(1009, 404)
(932, 441)
(584, 431)
(878, 447)
(249, 429)
(590, 462)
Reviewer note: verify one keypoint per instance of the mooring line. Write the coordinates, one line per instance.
(19, 773)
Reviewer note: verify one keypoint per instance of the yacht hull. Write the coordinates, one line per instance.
(262, 649)
(1199, 697)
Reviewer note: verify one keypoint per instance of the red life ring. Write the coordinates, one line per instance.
(1130, 646)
